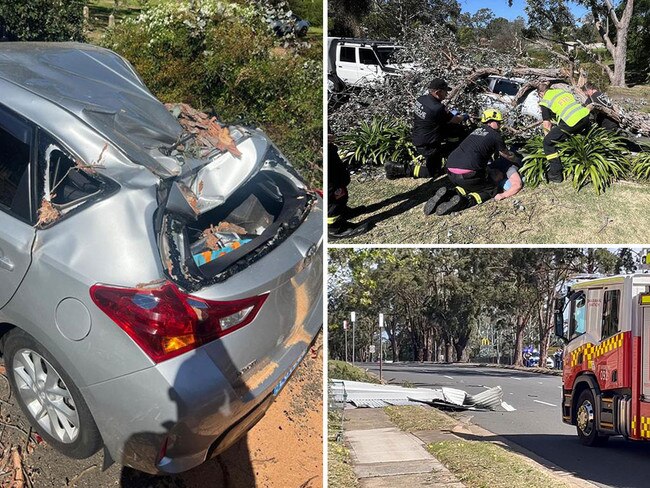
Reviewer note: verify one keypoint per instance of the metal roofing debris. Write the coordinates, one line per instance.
(369, 395)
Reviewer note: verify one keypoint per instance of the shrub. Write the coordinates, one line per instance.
(42, 20)
(641, 164)
(597, 158)
(378, 142)
(222, 57)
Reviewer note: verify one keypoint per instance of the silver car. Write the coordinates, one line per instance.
(157, 286)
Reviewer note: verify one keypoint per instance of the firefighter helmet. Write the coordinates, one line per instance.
(491, 114)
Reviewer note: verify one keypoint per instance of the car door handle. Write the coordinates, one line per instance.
(6, 263)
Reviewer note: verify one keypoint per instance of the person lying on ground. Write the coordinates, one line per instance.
(338, 212)
(467, 168)
(506, 175)
(436, 132)
(573, 119)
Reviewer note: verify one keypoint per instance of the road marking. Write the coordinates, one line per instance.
(518, 379)
(486, 387)
(451, 378)
(544, 403)
(507, 407)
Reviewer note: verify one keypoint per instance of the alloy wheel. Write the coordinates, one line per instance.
(46, 396)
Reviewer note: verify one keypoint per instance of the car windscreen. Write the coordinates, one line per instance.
(392, 55)
(506, 87)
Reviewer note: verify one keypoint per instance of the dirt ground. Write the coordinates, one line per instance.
(285, 449)
(548, 214)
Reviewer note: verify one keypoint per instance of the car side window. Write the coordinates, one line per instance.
(367, 56)
(15, 151)
(63, 180)
(348, 54)
(578, 318)
(610, 322)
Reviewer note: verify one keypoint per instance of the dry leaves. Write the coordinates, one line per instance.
(47, 213)
(212, 241)
(209, 132)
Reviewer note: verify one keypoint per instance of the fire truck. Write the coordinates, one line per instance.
(606, 371)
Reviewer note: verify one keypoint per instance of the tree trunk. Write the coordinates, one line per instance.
(620, 56)
(520, 325)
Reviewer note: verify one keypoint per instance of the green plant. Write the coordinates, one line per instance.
(42, 20)
(378, 142)
(597, 158)
(535, 162)
(641, 164)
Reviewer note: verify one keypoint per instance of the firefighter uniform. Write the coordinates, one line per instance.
(434, 136)
(467, 169)
(338, 179)
(572, 118)
(598, 98)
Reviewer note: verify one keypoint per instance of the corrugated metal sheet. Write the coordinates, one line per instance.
(369, 395)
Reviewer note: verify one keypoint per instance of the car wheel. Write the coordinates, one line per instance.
(48, 397)
(586, 421)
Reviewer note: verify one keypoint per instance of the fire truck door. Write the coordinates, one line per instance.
(645, 354)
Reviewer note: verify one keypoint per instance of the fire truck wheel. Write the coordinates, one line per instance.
(586, 421)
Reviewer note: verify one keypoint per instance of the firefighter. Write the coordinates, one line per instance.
(436, 132)
(338, 212)
(572, 118)
(596, 97)
(467, 168)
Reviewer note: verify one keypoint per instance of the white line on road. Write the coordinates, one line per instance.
(450, 377)
(507, 407)
(544, 403)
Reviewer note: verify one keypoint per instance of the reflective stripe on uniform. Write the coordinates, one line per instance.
(453, 139)
(416, 169)
(564, 105)
(476, 197)
(553, 156)
(461, 190)
(332, 220)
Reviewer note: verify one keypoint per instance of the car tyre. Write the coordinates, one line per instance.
(43, 389)
(586, 421)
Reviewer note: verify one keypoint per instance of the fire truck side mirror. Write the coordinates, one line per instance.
(559, 324)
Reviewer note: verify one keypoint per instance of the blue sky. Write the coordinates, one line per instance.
(501, 9)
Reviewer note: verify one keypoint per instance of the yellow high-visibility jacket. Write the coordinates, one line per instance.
(564, 105)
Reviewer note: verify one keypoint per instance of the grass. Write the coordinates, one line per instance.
(639, 93)
(341, 370)
(486, 465)
(548, 214)
(99, 11)
(339, 468)
(414, 418)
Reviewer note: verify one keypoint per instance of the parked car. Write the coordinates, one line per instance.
(154, 299)
(291, 24)
(500, 91)
(360, 62)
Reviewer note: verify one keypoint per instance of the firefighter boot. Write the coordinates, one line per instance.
(344, 229)
(441, 195)
(397, 170)
(554, 174)
(454, 204)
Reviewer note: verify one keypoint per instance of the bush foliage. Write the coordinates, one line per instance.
(223, 57)
(598, 157)
(41, 20)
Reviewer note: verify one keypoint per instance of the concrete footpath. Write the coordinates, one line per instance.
(384, 456)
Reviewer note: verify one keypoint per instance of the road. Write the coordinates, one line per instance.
(536, 422)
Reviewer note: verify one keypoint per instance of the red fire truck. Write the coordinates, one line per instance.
(606, 371)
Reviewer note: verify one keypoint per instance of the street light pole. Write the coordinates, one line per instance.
(345, 328)
(353, 318)
(381, 325)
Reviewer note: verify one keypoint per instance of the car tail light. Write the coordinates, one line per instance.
(165, 322)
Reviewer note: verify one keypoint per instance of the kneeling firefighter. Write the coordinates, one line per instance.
(467, 168)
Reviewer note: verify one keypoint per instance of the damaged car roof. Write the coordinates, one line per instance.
(99, 88)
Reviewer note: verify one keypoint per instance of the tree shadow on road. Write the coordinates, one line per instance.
(619, 463)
